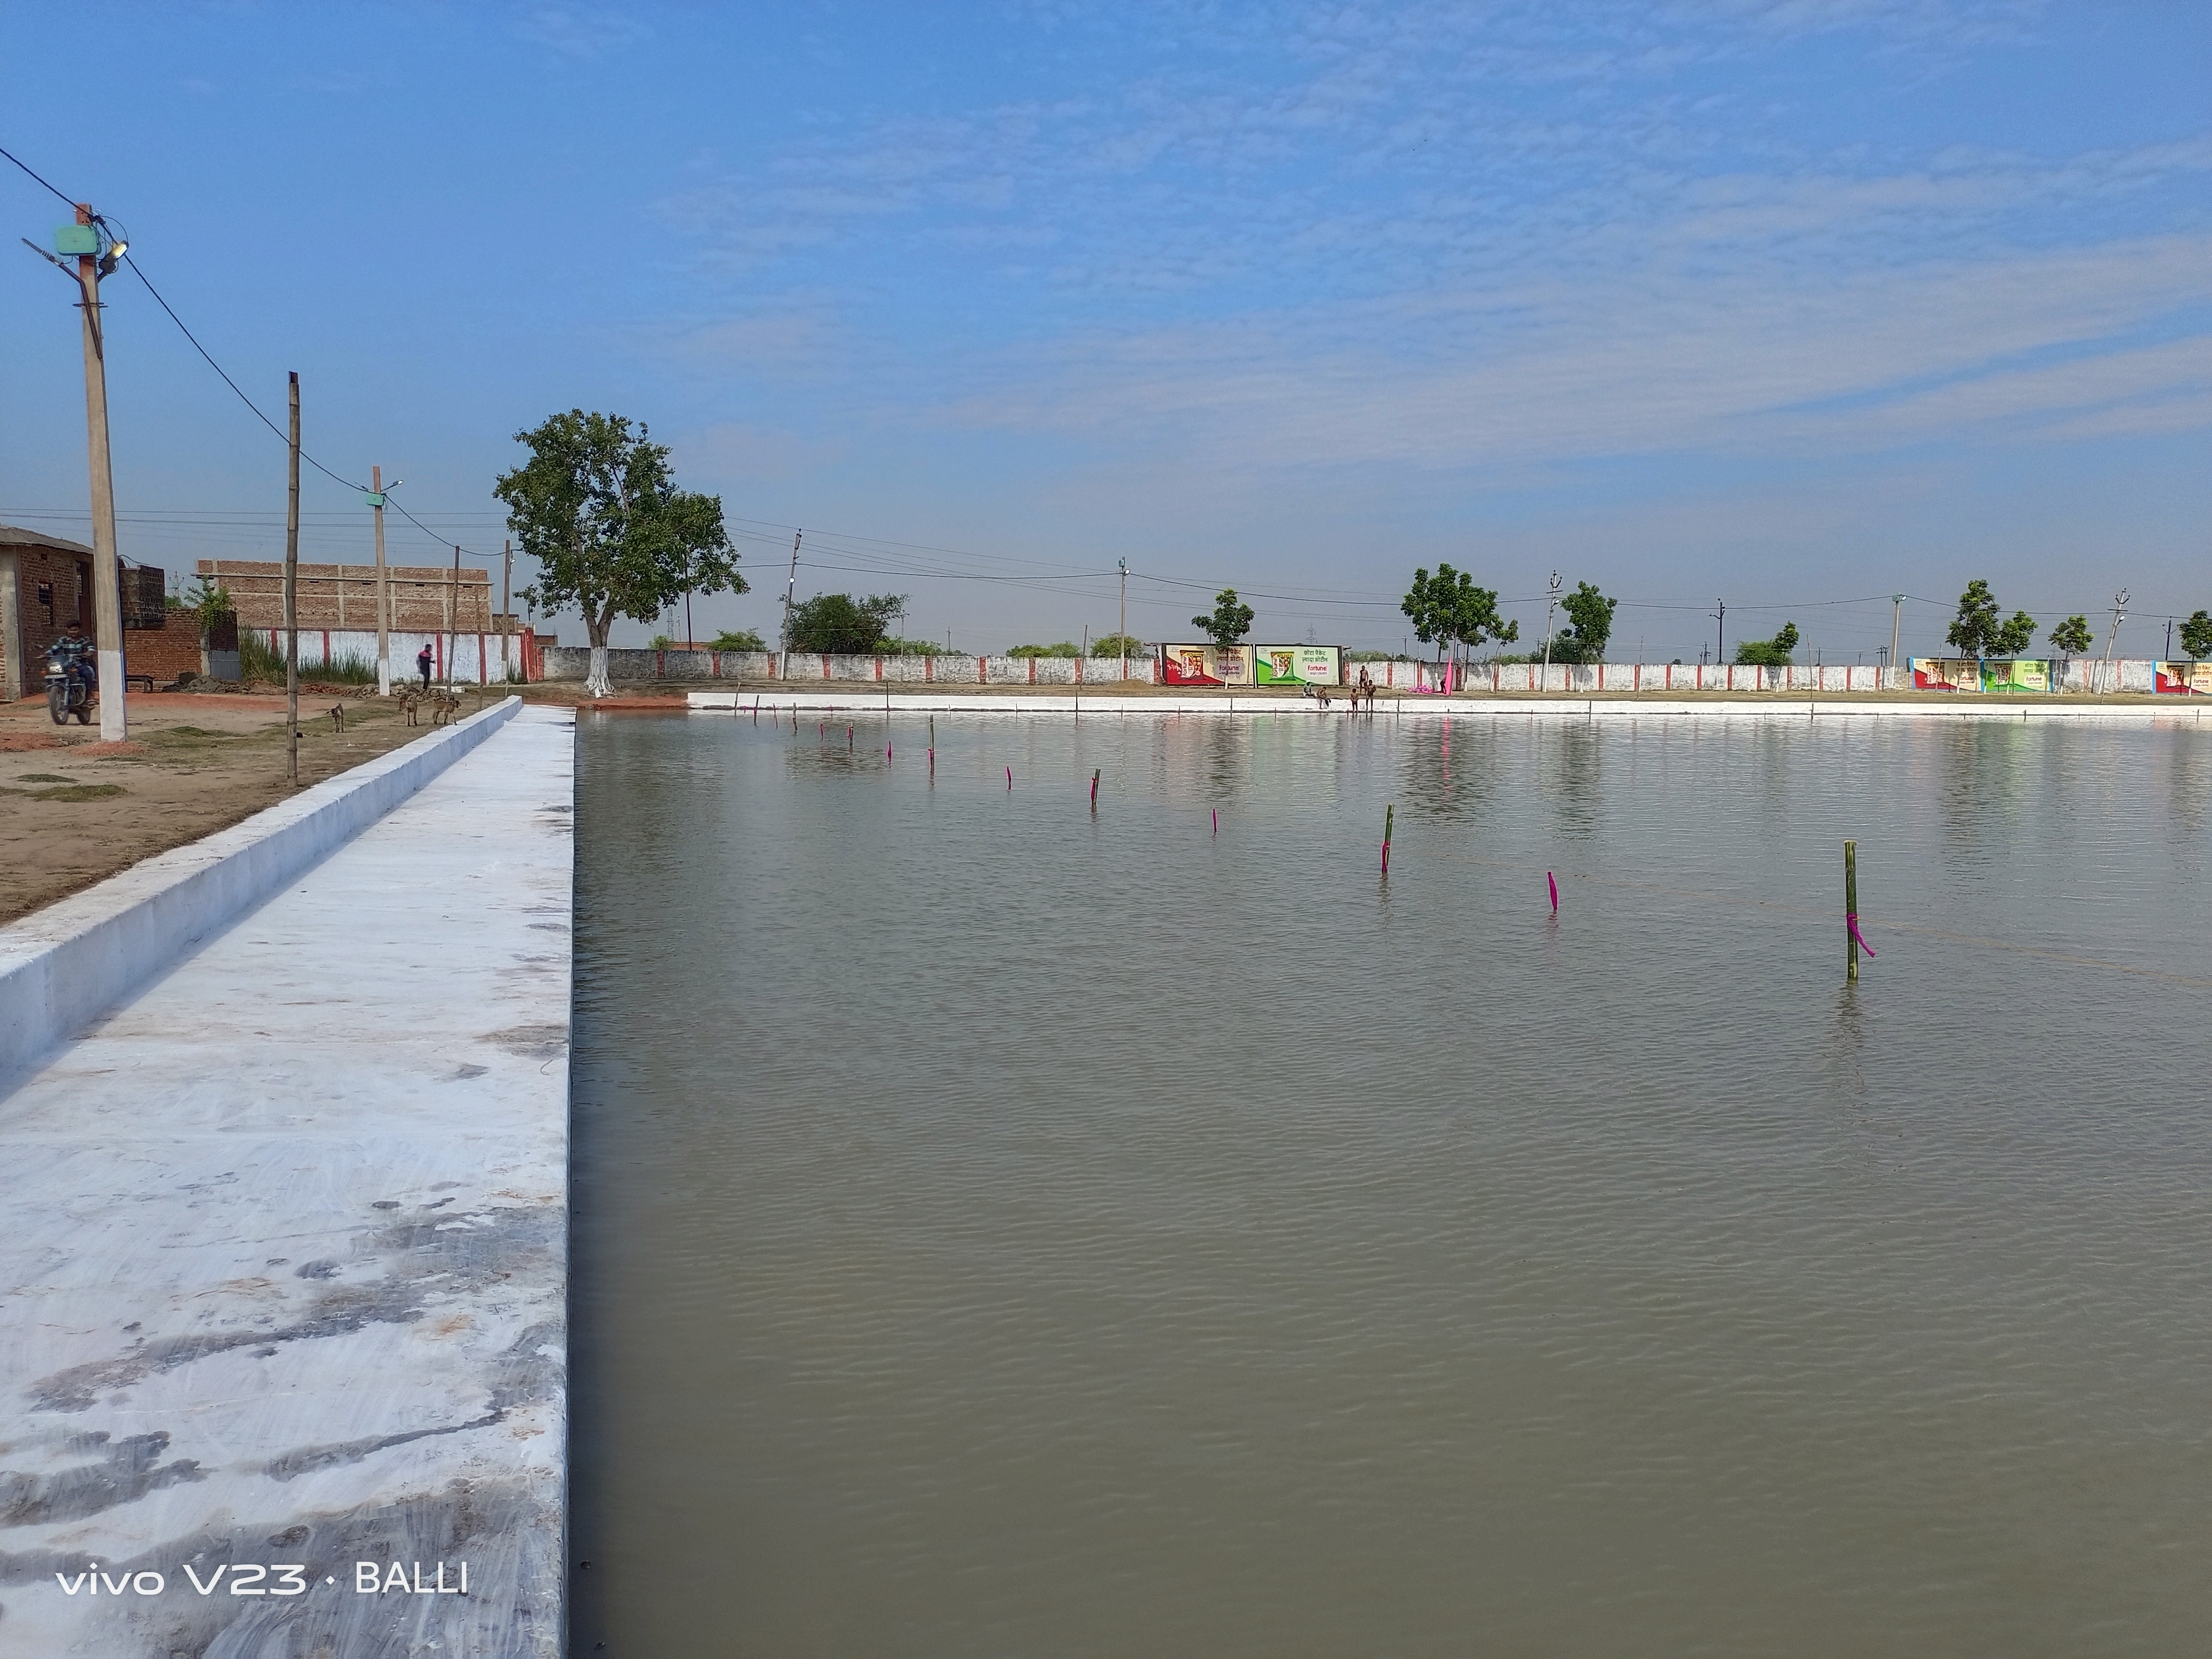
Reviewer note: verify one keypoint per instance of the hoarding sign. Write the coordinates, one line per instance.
(2185, 678)
(1945, 674)
(1297, 664)
(1992, 674)
(1207, 665)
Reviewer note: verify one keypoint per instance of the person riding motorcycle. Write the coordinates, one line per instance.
(71, 660)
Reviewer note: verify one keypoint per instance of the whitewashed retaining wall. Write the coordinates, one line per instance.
(480, 659)
(572, 662)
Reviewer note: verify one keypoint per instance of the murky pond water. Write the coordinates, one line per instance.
(1006, 1230)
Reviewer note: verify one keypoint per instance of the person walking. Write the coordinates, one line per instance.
(422, 664)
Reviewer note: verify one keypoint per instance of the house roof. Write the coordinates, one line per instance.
(15, 535)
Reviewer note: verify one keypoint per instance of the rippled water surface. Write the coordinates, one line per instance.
(1006, 1230)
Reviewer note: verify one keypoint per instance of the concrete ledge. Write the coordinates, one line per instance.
(62, 967)
(1625, 707)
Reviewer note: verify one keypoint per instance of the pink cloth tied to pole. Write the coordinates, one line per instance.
(1851, 922)
(1551, 882)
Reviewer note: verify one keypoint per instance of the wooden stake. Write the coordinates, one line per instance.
(1390, 819)
(1094, 788)
(291, 601)
(1552, 882)
(1851, 911)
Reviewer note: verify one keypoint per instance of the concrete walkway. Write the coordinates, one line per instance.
(283, 1261)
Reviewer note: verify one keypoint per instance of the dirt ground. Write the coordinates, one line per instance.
(74, 810)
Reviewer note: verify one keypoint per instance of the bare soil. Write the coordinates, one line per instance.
(74, 810)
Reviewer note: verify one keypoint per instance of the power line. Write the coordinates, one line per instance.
(20, 162)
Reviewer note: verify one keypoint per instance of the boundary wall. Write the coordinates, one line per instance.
(854, 700)
(63, 966)
(480, 659)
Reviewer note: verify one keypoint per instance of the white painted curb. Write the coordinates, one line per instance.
(63, 967)
(1627, 707)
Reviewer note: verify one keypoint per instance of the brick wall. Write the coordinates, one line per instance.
(55, 591)
(424, 598)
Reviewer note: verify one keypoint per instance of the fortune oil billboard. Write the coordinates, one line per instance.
(1298, 664)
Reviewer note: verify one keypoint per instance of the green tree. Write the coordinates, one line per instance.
(208, 599)
(743, 639)
(1231, 622)
(2196, 635)
(1063, 648)
(841, 625)
(1118, 645)
(1769, 653)
(1591, 613)
(1448, 609)
(597, 506)
(1977, 631)
(2073, 636)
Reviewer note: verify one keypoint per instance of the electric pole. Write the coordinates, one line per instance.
(1720, 640)
(1125, 619)
(292, 596)
(107, 597)
(506, 598)
(454, 621)
(1896, 613)
(789, 588)
(1549, 609)
(2120, 616)
(383, 588)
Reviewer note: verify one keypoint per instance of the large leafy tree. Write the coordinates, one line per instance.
(1769, 653)
(2196, 636)
(598, 507)
(1448, 610)
(1591, 613)
(1977, 631)
(2073, 636)
(1231, 622)
(842, 625)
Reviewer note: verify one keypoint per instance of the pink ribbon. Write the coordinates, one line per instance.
(1551, 882)
(1851, 922)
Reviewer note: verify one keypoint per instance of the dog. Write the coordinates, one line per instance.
(338, 717)
(410, 701)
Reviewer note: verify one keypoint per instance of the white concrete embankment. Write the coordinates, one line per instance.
(864, 700)
(283, 1257)
(76, 957)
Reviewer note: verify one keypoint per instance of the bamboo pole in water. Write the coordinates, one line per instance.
(1852, 910)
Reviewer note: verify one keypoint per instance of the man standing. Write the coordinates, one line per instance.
(422, 664)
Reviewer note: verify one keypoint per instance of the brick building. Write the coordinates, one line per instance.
(46, 589)
(342, 597)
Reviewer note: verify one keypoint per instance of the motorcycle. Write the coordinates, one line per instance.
(71, 682)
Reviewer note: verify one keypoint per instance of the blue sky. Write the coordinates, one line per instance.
(1794, 302)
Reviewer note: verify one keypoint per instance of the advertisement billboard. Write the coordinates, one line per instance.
(1227, 665)
(1989, 674)
(1297, 664)
(2185, 678)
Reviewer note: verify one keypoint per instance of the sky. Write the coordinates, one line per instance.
(1791, 304)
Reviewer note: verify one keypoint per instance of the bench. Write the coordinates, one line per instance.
(130, 680)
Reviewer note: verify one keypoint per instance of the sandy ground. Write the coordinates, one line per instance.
(74, 810)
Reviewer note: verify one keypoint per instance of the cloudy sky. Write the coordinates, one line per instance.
(1794, 303)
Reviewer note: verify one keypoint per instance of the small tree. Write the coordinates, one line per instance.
(1769, 653)
(207, 599)
(1448, 609)
(1977, 631)
(1062, 649)
(2196, 635)
(1591, 613)
(841, 625)
(1117, 645)
(2073, 636)
(743, 639)
(1231, 622)
(598, 507)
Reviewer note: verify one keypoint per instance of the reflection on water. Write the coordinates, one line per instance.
(1005, 1229)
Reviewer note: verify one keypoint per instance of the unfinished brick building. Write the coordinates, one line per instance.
(46, 589)
(342, 597)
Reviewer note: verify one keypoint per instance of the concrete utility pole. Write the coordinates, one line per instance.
(1896, 614)
(1720, 640)
(383, 587)
(506, 598)
(453, 621)
(789, 588)
(292, 597)
(1125, 619)
(2120, 616)
(1548, 608)
(106, 596)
